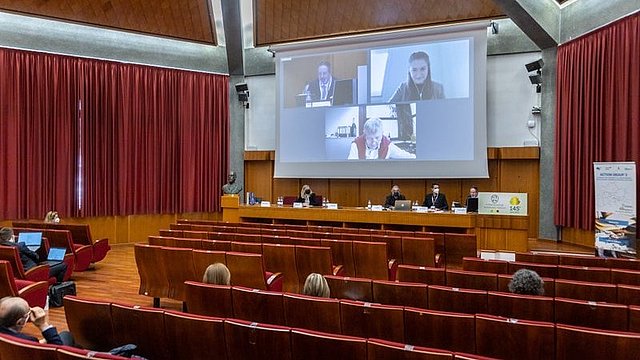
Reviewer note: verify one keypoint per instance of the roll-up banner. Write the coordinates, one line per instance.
(615, 193)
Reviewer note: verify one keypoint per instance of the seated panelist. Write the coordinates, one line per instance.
(436, 199)
(390, 201)
(308, 197)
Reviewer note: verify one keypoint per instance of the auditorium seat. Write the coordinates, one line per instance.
(203, 258)
(344, 287)
(440, 329)
(544, 270)
(588, 261)
(83, 254)
(189, 243)
(276, 239)
(382, 350)
(191, 234)
(549, 284)
(208, 299)
(179, 268)
(539, 258)
(258, 305)
(248, 270)
(628, 294)
(573, 342)
(12, 348)
(90, 323)
(162, 241)
(141, 326)
(249, 238)
(584, 273)
(421, 274)
(312, 313)
(153, 274)
(71, 353)
(400, 293)
(472, 280)
(526, 307)
(282, 258)
(222, 236)
(394, 244)
(591, 314)
(246, 247)
(313, 345)
(314, 259)
(250, 340)
(443, 298)
(248, 230)
(419, 251)
(11, 254)
(371, 261)
(634, 318)
(305, 241)
(194, 337)
(626, 264)
(486, 266)
(34, 292)
(627, 277)
(584, 290)
(506, 338)
(216, 245)
(457, 246)
(342, 253)
(369, 320)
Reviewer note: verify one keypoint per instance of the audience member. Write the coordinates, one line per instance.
(322, 88)
(14, 315)
(316, 285)
(52, 217)
(217, 274)
(29, 258)
(526, 282)
(436, 199)
(231, 187)
(390, 201)
(372, 144)
(308, 197)
(419, 85)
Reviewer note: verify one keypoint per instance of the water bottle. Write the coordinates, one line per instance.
(368, 204)
(280, 201)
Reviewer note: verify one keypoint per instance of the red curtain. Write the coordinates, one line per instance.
(598, 114)
(94, 138)
(38, 150)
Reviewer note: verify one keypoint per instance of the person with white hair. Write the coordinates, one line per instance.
(373, 144)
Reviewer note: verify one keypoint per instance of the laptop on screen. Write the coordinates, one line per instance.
(472, 205)
(56, 255)
(402, 205)
(32, 240)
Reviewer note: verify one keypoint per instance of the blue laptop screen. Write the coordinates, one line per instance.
(56, 254)
(30, 238)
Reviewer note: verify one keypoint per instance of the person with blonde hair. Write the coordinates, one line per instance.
(52, 217)
(316, 285)
(308, 197)
(217, 274)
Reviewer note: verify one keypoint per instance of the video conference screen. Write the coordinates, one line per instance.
(406, 106)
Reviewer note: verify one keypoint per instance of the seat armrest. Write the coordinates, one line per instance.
(393, 269)
(274, 281)
(338, 270)
(37, 273)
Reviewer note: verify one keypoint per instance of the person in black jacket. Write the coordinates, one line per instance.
(14, 315)
(308, 197)
(29, 258)
(436, 199)
(390, 200)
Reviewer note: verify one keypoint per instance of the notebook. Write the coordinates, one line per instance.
(402, 205)
(56, 254)
(472, 205)
(32, 240)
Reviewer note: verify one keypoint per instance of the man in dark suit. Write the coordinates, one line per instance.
(436, 200)
(322, 88)
(390, 201)
(29, 258)
(14, 315)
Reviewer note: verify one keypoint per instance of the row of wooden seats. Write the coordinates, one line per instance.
(354, 258)
(80, 235)
(582, 290)
(454, 244)
(569, 272)
(390, 298)
(173, 335)
(34, 292)
(163, 270)
(13, 348)
(62, 239)
(576, 260)
(163, 334)
(38, 272)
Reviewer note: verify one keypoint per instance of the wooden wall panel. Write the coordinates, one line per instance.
(346, 191)
(258, 178)
(523, 176)
(578, 237)
(413, 189)
(277, 21)
(374, 190)
(285, 187)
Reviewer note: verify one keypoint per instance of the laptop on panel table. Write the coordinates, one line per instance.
(402, 205)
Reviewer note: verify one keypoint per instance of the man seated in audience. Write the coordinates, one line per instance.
(29, 258)
(390, 201)
(14, 315)
(217, 274)
(316, 285)
(526, 282)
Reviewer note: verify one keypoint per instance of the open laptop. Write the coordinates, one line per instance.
(472, 205)
(33, 240)
(402, 205)
(56, 255)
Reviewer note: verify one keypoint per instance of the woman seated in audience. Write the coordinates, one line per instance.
(217, 274)
(316, 285)
(526, 282)
(52, 217)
